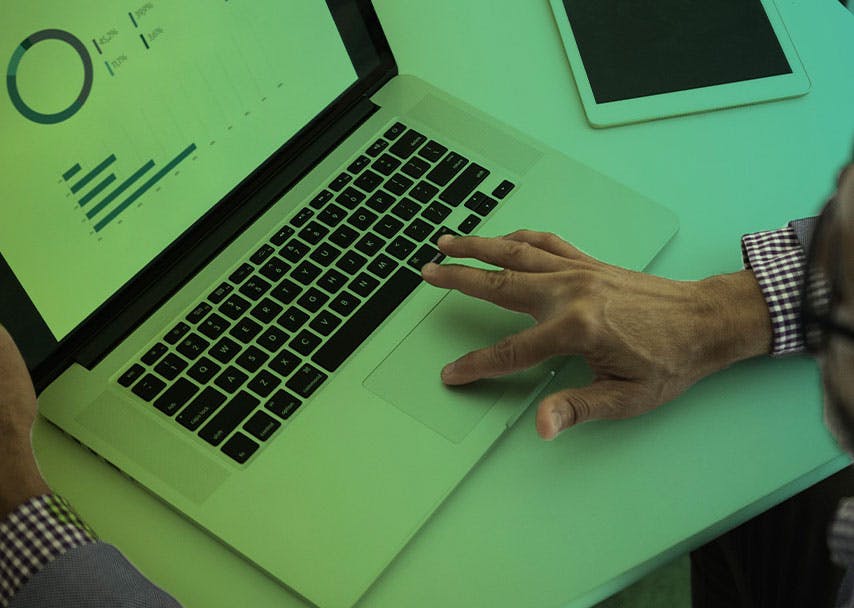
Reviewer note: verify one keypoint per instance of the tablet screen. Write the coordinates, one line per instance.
(639, 48)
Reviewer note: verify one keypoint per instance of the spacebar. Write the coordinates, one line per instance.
(366, 320)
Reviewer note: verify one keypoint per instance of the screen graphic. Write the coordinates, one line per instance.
(123, 123)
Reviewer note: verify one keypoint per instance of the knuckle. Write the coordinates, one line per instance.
(503, 353)
(499, 280)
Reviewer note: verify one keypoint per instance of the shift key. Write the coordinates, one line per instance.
(227, 419)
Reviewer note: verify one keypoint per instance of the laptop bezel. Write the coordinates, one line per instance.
(132, 304)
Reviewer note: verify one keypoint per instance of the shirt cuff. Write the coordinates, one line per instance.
(33, 535)
(778, 260)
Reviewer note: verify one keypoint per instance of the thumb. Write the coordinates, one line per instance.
(561, 410)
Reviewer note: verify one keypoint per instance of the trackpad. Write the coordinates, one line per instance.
(409, 377)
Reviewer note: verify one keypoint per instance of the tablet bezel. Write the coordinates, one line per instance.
(689, 101)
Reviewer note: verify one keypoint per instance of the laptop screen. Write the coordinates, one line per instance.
(124, 124)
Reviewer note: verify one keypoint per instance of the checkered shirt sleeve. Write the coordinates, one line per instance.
(34, 534)
(777, 259)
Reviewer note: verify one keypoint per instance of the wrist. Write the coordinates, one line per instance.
(20, 480)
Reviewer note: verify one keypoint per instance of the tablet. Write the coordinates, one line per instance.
(636, 60)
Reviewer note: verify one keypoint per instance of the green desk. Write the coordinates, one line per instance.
(570, 522)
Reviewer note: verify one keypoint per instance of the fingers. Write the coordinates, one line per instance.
(506, 253)
(602, 399)
(505, 288)
(548, 242)
(514, 353)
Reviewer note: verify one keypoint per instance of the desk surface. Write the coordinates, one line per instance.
(570, 522)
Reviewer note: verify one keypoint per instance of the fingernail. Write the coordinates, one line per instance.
(445, 239)
(447, 370)
(429, 268)
(558, 422)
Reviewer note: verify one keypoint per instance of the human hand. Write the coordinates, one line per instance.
(646, 338)
(20, 478)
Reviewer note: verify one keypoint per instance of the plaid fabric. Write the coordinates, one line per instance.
(34, 534)
(777, 259)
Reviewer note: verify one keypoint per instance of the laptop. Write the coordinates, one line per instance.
(213, 221)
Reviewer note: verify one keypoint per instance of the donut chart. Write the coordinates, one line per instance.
(12, 73)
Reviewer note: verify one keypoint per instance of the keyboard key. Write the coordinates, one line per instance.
(231, 379)
(252, 359)
(362, 218)
(323, 197)
(265, 311)
(283, 404)
(425, 253)
(306, 272)
(350, 198)
(304, 342)
(218, 294)
(400, 248)
(225, 350)
(226, 420)
(360, 163)
(464, 184)
(241, 274)
(245, 330)
(170, 366)
(436, 212)
(176, 396)
(200, 408)
(272, 339)
(313, 232)
(325, 323)
(306, 380)
(406, 209)
(275, 269)
(302, 217)
(339, 182)
(388, 226)
(345, 303)
(443, 230)
(469, 224)
(386, 164)
(445, 171)
(294, 250)
(293, 319)
(192, 346)
(261, 426)
(377, 147)
(432, 151)
(203, 370)
(332, 215)
(240, 448)
(368, 181)
(214, 326)
(363, 284)
(332, 281)
(264, 252)
(255, 287)
(395, 131)
(382, 266)
(154, 353)
(418, 230)
(370, 244)
(481, 204)
(284, 363)
(131, 375)
(176, 333)
(198, 313)
(380, 201)
(415, 167)
(407, 144)
(284, 233)
(423, 192)
(503, 189)
(313, 299)
(398, 184)
(264, 383)
(343, 236)
(325, 254)
(347, 339)
(234, 307)
(286, 291)
(350, 262)
(148, 387)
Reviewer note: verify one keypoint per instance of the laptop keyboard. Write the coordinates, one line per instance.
(241, 362)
